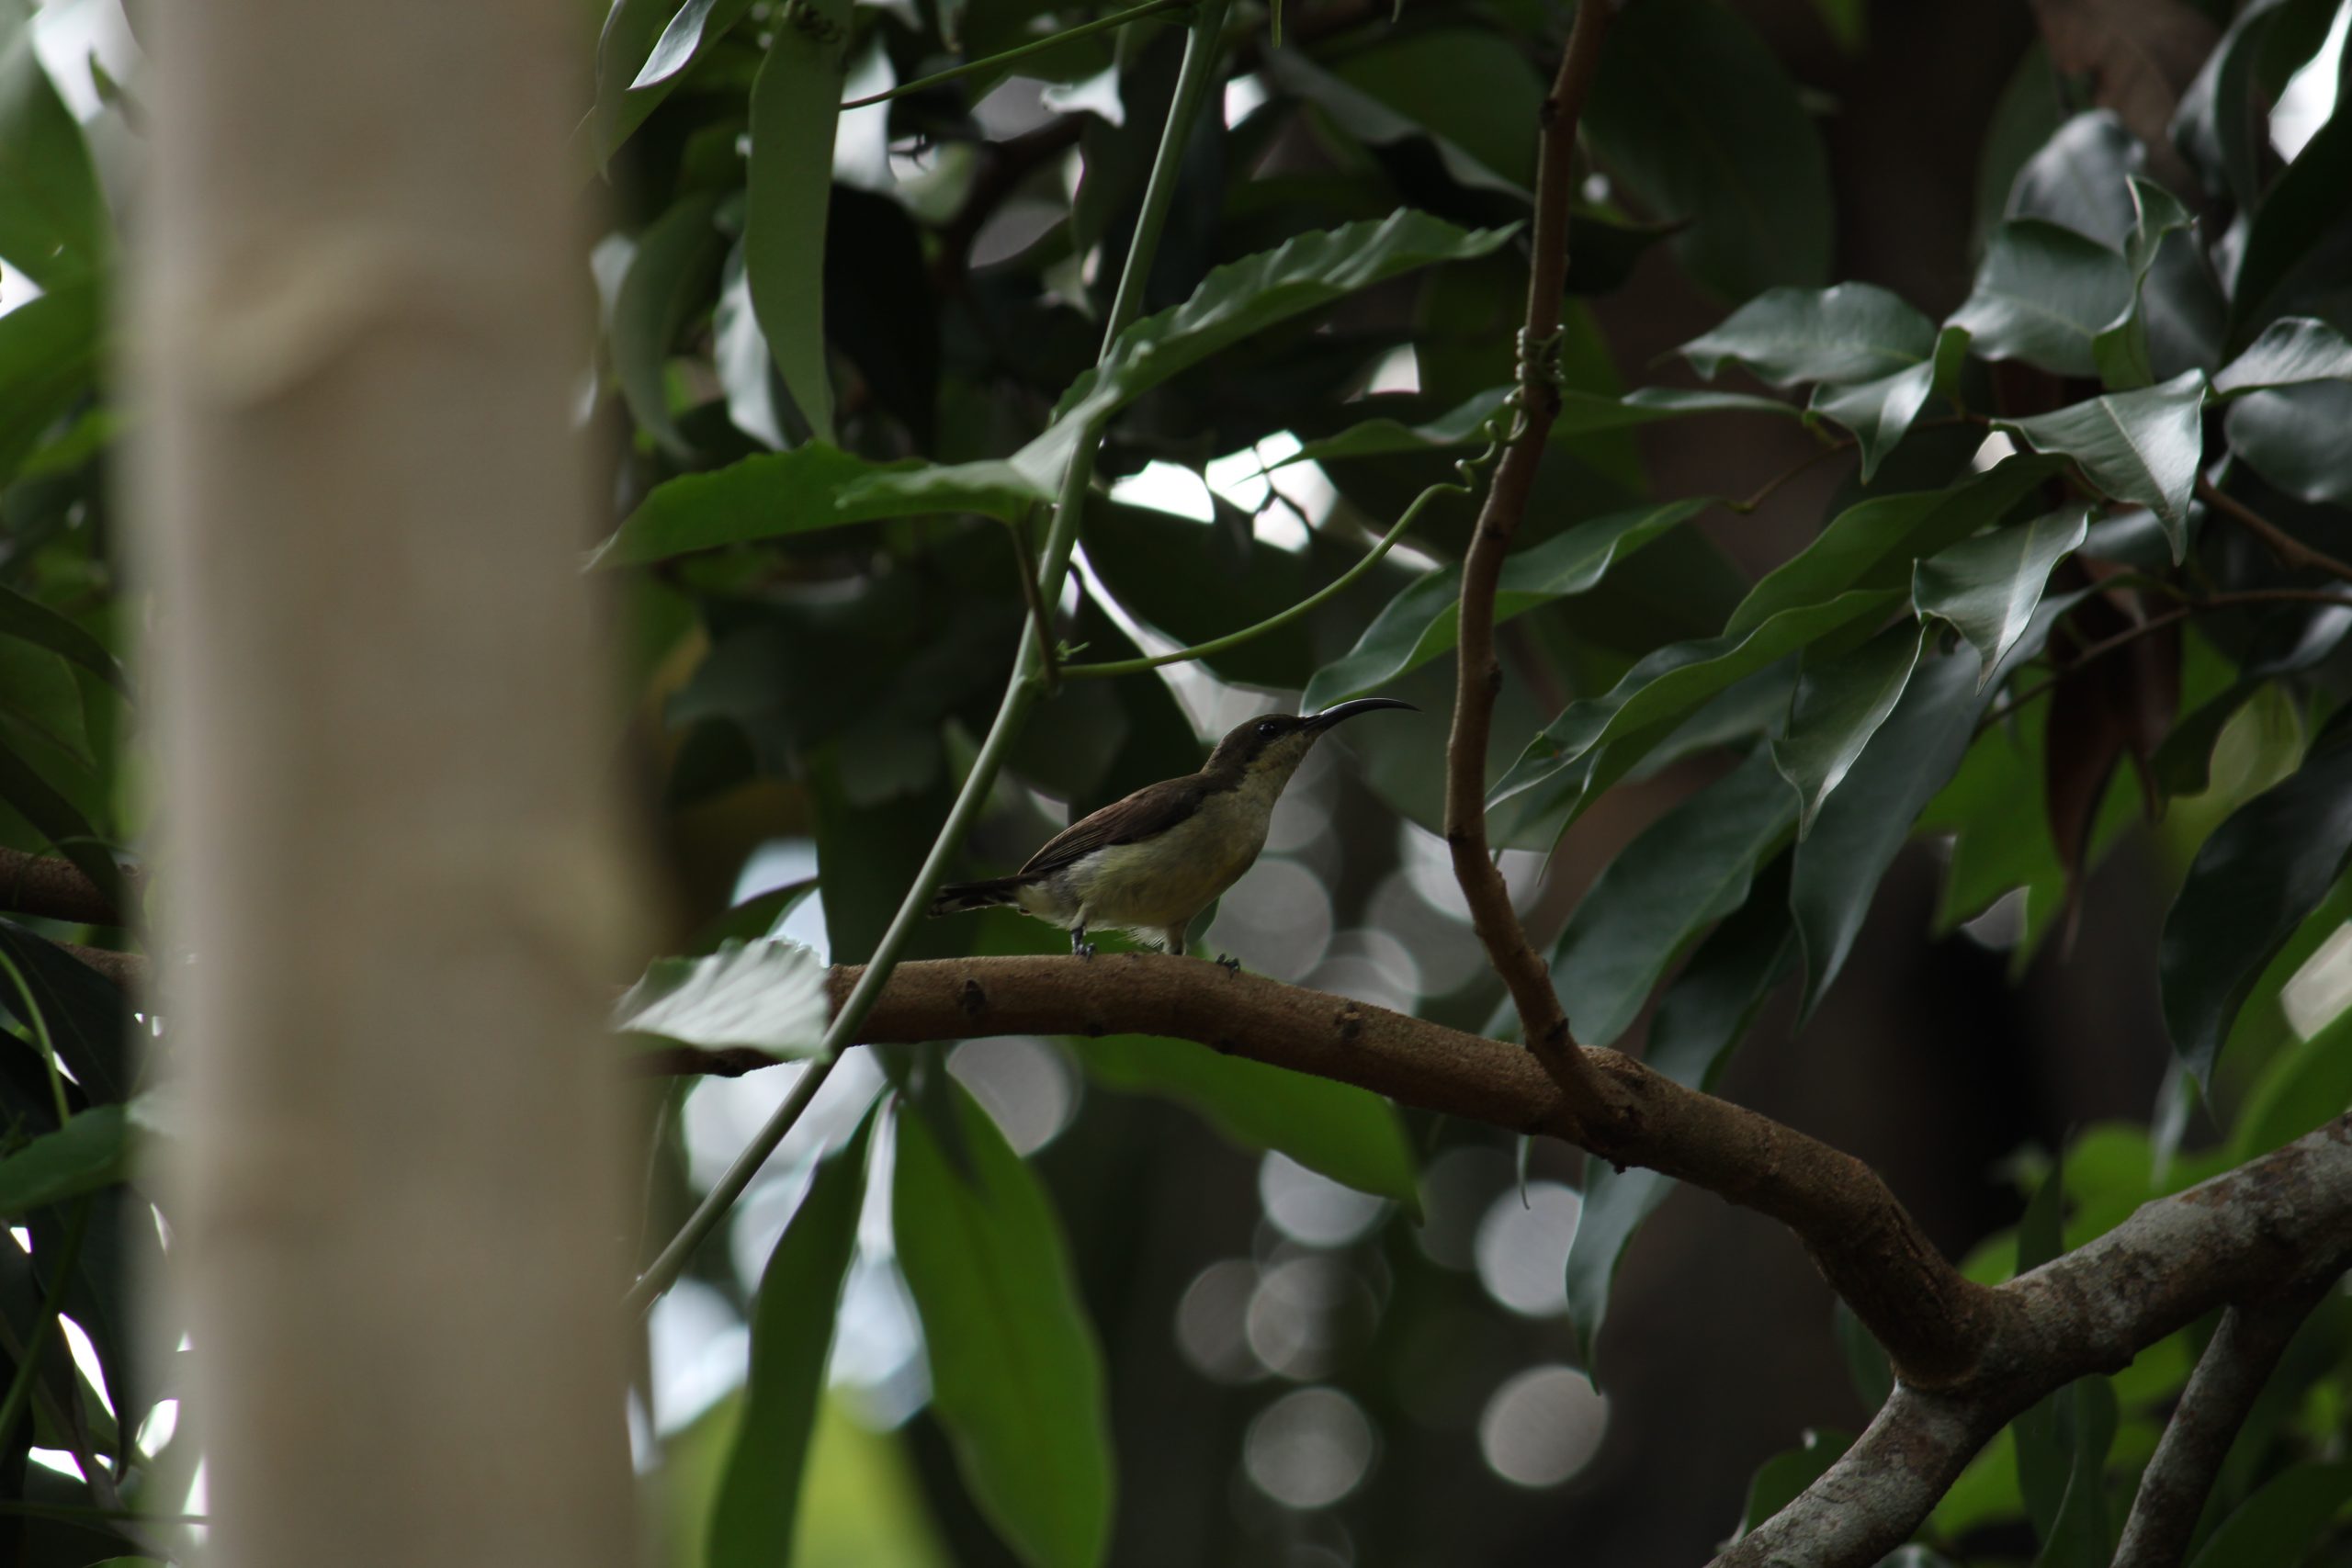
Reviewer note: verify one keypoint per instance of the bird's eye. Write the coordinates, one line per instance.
(1270, 728)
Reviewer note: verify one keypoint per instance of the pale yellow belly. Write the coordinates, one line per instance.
(1160, 882)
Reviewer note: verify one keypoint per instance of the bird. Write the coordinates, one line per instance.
(1148, 863)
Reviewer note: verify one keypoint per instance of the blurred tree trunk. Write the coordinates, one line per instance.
(392, 874)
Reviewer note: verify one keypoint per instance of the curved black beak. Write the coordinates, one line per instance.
(1333, 715)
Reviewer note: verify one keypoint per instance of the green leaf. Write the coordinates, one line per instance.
(1879, 413)
(1875, 543)
(2300, 218)
(2043, 294)
(990, 488)
(2219, 126)
(57, 819)
(2077, 1535)
(1662, 689)
(1584, 414)
(1459, 426)
(758, 1500)
(1419, 77)
(1694, 112)
(1349, 1135)
(682, 40)
(669, 277)
(2280, 1525)
(53, 224)
(796, 102)
(1840, 702)
(1690, 868)
(1701, 1019)
(1987, 587)
(2307, 1084)
(1016, 1376)
(2122, 347)
(2296, 349)
(88, 1014)
(1364, 115)
(1855, 331)
(1422, 623)
(34, 622)
(2137, 447)
(1860, 828)
(767, 995)
(91, 1151)
(2293, 438)
(1239, 301)
(2252, 883)
(49, 354)
(1777, 1480)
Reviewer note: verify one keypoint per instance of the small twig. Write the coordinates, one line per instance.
(2292, 553)
(1006, 57)
(1048, 672)
(1764, 492)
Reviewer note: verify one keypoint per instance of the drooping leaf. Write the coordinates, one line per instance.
(2252, 881)
(1237, 300)
(2138, 446)
(1702, 1017)
(2220, 125)
(2043, 294)
(1378, 437)
(669, 273)
(1690, 868)
(1840, 704)
(758, 1500)
(2290, 351)
(683, 39)
(2292, 436)
(795, 103)
(91, 1151)
(1016, 1376)
(1986, 588)
(2303, 212)
(1879, 413)
(1664, 688)
(1693, 111)
(1349, 1135)
(53, 225)
(767, 995)
(1854, 331)
(2280, 1525)
(1422, 623)
(2121, 348)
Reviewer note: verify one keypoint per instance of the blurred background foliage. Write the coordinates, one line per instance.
(1133, 1300)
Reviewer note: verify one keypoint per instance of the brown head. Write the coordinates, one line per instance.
(1278, 742)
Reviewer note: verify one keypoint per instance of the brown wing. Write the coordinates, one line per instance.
(1151, 810)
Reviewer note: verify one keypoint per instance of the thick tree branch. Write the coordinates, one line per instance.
(2245, 1345)
(55, 889)
(1477, 675)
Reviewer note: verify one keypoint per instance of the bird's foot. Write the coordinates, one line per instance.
(1230, 963)
(1081, 948)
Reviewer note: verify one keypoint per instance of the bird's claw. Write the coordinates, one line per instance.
(1230, 963)
(1081, 948)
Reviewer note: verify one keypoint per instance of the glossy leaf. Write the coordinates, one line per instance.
(1237, 300)
(2252, 881)
(1840, 704)
(2280, 1525)
(697, 21)
(2293, 438)
(1694, 113)
(1879, 413)
(1459, 426)
(1016, 1376)
(2121, 348)
(1422, 623)
(1664, 688)
(2219, 125)
(1349, 1135)
(1700, 1020)
(1873, 544)
(795, 103)
(53, 224)
(2297, 349)
(669, 272)
(767, 995)
(91, 1151)
(1855, 331)
(758, 1500)
(2079, 177)
(1987, 587)
(1690, 868)
(2043, 294)
(2137, 447)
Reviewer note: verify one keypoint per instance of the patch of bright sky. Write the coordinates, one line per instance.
(1243, 96)
(862, 142)
(2309, 98)
(1399, 372)
(66, 33)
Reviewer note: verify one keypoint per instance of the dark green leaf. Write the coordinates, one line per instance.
(2121, 348)
(2044, 1458)
(1988, 587)
(1377, 437)
(1879, 413)
(1840, 704)
(2293, 438)
(1777, 1480)
(49, 352)
(1693, 111)
(1371, 120)
(2043, 294)
(53, 223)
(2301, 219)
(88, 1014)
(1422, 624)
(668, 277)
(1616, 730)
(1585, 412)
(1420, 76)
(33, 622)
(1701, 1019)
(796, 102)
(2137, 447)
(2079, 178)
(1867, 1366)
(1690, 867)
(680, 42)
(2279, 1526)
(2251, 885)
(758, 1500)
(1016, 1377)
(2220, 125)
(91, 1151)
(2306, 1084)
(2296, 349)
(767, 995)
(2078, 1534)
(1347, 1134)
(1855, 331)
(57, 819)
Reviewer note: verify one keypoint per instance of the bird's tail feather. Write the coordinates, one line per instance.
(958, 896)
